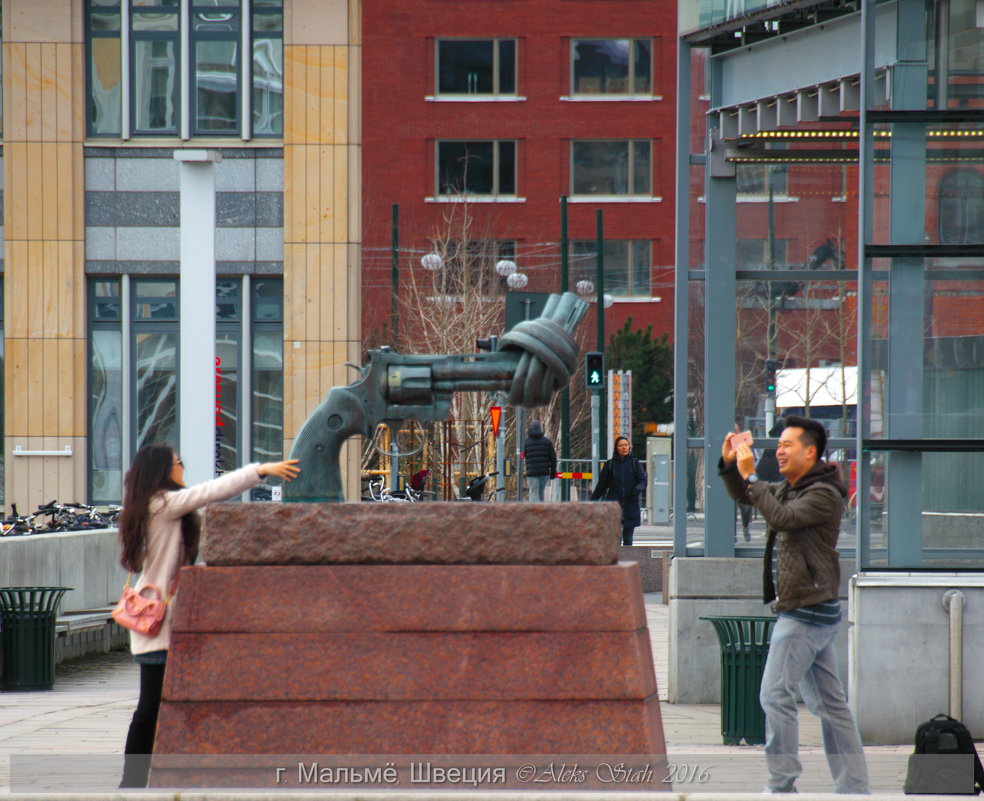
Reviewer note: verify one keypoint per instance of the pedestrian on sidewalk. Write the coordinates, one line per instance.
(540, 458)
(802, 577)
(623, 479)
(159, 532)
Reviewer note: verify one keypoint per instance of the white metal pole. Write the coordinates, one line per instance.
(196, 366)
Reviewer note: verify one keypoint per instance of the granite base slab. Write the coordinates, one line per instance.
(410, 533)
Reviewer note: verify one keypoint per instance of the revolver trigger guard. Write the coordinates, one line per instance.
(396, 426)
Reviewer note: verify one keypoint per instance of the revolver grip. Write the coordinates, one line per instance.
(318, 446)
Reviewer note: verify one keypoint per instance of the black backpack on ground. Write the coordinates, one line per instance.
(945, 761)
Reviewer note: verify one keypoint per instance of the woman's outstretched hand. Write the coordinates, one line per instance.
(286, 470)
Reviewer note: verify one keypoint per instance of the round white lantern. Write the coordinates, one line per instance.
(431, 262)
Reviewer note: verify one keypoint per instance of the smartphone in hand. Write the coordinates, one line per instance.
(741, 438)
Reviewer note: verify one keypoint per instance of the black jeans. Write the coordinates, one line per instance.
(627, 532)
(140, 739)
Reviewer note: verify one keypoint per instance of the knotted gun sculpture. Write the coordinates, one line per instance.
(535, 359)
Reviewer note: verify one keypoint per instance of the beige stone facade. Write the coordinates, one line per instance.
(44, 139)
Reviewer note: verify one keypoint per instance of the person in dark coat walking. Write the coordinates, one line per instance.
(540, 459)
(623, 479)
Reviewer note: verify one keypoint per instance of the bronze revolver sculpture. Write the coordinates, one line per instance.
(535, 359)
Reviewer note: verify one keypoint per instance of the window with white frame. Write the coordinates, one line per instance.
(184, 68)
(476, 66)
(618, 167)
(476, 168)
(611, 66)
(627, 265)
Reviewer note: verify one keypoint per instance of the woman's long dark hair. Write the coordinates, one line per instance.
(149, 474)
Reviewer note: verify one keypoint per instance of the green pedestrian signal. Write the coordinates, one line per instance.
(770, 376)
(594, 370)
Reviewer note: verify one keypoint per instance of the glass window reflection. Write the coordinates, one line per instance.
(611, 66)
(155, 390)
(155, 86)
(216, 79)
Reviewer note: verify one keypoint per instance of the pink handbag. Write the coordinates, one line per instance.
(140, 613)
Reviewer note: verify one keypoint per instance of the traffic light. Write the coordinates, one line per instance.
(770, 377)
(594, 370)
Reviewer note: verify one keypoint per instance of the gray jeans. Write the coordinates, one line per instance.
(804, 656)
(538, 485)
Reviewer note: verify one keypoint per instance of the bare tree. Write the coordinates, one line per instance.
(450, 296)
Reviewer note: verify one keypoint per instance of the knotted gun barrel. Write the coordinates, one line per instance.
(536, 358)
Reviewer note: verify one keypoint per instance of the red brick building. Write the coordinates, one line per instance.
(509, 105)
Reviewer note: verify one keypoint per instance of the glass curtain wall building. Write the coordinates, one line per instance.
(831, 225)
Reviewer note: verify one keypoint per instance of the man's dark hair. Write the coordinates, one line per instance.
(813, 432)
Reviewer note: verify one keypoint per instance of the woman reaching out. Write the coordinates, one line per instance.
(159, 532)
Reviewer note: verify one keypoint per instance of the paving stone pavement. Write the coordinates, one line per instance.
(89, 709)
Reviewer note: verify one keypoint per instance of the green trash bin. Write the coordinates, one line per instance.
(27, 635)
(744, 648)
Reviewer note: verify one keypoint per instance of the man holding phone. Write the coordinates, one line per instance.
(802, 576)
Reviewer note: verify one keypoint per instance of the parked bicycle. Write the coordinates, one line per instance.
(54, 517)
(475, 491)
(383, 494)
(16, 523)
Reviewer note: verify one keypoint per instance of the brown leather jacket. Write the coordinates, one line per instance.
(804, 520)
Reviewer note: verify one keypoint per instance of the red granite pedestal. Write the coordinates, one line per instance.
(277, 666)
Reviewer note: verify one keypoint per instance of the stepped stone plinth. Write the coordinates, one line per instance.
(427, 633)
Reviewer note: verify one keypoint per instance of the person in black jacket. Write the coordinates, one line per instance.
(540, 459)
(623, 479)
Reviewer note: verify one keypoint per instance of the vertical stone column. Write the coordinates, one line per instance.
(44, 281)
(322, 219)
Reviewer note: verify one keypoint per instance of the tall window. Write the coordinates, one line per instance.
(267, 379)
(215, 60)
(611, 66)
(476, 66)
(476, 168)
(611, 168)
(155, 307)
(961, 208)
(104, 66)
(154, 48)
(627, 264)
(105, 391)
(219, 93)
(228, 342)
(144, 387)
(268, 68)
